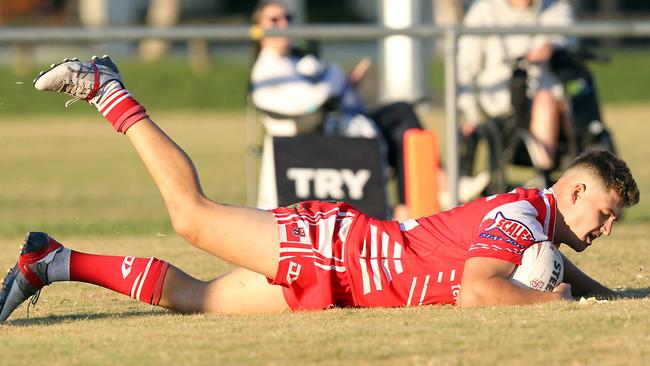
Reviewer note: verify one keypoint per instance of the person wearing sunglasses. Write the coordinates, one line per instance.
(300, 93)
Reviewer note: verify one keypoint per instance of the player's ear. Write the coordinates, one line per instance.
(578, 192)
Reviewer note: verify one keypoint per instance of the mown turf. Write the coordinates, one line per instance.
(223, 86)
(82, 182)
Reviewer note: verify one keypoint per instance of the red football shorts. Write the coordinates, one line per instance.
(311, 267)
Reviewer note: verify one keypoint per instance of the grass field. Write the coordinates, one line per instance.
(223, 86)
(81, 182)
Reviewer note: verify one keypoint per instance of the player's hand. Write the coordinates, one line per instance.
(360, 71)
(564, 289)
(468, 128)
(541, 54)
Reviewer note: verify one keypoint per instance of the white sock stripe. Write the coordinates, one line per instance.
(144, 277)
(111, 97)
(108, 110)
(135, 284)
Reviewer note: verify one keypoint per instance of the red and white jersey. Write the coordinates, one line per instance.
(421, 261)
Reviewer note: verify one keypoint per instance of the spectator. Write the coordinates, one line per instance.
(286, 82)
(486, 65)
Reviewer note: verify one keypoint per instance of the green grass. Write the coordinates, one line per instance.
(623, 79)
(223, 87)
(168, 85)
(79, 324)
(73, 176)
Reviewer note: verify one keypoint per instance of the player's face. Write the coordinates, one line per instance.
(595, 211)
(275, 16)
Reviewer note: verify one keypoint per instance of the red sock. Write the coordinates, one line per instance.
(140, 278)
(121, 109)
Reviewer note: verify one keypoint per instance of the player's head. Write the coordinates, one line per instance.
(272, 14)
(591, 195)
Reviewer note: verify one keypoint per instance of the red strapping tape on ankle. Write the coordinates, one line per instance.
(95, 82)
(27, 259)
(158, 286)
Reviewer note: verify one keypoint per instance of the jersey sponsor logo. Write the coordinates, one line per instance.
(293, 272)
(126, 266)
(295, 206)
(509, 230)
(298, 231)
(455, 291)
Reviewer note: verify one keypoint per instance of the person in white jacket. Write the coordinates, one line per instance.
(485, 66)
(295, 91)
(285, 82)
(292, 88)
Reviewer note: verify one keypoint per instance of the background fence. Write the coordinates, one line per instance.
(342, 33)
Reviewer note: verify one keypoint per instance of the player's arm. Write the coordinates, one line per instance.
(485, 282)
(583, 285)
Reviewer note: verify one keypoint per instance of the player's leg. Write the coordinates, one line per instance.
(240, 291)
(245, 236)
(545, 125)
(231, 233)
(43, 260)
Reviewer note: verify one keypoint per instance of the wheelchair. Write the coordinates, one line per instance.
(505, 147)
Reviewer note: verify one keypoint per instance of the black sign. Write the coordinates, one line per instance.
(331, 168)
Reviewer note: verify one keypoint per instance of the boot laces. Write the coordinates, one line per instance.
(33, 300)
(78, 86)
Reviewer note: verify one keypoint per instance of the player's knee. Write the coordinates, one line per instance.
(184, 222)
(184, 229)
(468, 297)
(545, 98)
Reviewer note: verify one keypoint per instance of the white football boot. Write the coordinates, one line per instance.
(83, 80)
(30, 273)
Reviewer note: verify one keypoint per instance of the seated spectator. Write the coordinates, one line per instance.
(288, 83)
(485, 68)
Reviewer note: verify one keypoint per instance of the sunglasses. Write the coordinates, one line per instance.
(277, 19)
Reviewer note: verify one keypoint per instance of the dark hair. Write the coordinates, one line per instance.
(612, 172)
(255, 17)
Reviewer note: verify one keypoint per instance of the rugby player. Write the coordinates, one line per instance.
(318, 255)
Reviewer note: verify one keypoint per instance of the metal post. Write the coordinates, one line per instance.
(451, 113)
(252, 153)
(401, 55)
